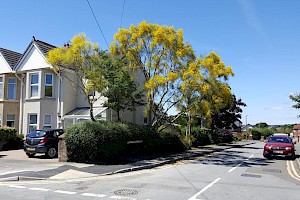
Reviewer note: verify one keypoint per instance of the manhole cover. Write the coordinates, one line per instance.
(251, 175)
(126, 192)
(272, 170)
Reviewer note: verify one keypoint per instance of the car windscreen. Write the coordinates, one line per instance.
(279, 139)
(37, 133)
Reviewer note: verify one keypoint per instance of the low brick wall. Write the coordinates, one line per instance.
(62, 149)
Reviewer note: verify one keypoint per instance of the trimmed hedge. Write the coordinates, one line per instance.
(7, 133)
(256, 135)
(101, 141)
(201, 136)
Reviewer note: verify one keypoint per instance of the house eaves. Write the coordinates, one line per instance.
(11, 57)
(42, 47)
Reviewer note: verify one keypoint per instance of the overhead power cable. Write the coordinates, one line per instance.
(98, 23)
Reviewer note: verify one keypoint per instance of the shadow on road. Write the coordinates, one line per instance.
(232, 159)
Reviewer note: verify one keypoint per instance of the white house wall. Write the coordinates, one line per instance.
(4, 67)
(33, 60)
(30, 107)
(68, 94)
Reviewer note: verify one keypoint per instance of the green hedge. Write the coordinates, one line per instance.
(7, 133)
(201, 136)
(256, 135)
(101, 141)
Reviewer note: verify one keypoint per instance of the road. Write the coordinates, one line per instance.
(237, 173)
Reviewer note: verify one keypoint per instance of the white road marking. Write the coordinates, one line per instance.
(39, 189)
(93, 195)
(240, 164)
(17, 186)
(204, 189)
(120, 197)
(64, 192)
(234, 167)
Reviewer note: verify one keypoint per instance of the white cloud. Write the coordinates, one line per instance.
(248, 9)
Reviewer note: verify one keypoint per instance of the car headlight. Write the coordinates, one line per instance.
(288, 148)
(268, 147)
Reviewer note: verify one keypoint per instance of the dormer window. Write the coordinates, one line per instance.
(34, 85)
(48, 85)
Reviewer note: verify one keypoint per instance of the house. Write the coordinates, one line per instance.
(9, 88)
(296, 130)
(247, 127)
(48, 98)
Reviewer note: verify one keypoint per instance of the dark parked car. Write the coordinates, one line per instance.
(279, 145)
(42, 141)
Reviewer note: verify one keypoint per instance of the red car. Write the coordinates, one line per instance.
(279, 145)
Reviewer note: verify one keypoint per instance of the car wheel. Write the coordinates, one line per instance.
(51, 152)
(30, 155)
(267, 156)
(293, 156)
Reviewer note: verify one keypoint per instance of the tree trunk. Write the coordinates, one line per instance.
(92, 113)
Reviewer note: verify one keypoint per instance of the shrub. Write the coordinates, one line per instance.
(222, 136)
(94, 142)
(7, 133)
(202, 136)
(256, 135)
(14, 143)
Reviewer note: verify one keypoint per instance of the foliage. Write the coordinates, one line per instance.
(222, 136)
(256, 135)
(7, 133)
(173, 76)
(264, 132)
(123, 92)
(101, 141)
(81, 57)
(228, 115)
(296, 98)
(261, 125)
(202, 136)
(14, 143)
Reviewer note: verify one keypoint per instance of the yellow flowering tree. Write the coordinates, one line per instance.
(81, 56)
(161, 54)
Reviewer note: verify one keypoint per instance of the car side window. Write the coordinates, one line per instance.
(55, 134)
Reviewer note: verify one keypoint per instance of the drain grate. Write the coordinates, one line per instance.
(272, 170)
(125, 192)
(251, 175)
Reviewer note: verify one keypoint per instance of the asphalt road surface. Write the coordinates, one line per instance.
(237, 173)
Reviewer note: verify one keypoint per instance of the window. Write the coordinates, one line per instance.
(12, 88)
(47, 121)
(48, 85)
(34, 85)
(32, 122)
(10, 120)
(1, 83)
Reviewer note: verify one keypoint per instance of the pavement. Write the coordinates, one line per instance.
(39, 168)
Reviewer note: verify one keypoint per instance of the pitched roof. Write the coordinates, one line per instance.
(11, 57)
(42, 46)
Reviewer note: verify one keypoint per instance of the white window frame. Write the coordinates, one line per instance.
(15, 88)
(10, 120)
(47, 126)
(52, 80)
(1, 87)
(32, 125)
(34, 85)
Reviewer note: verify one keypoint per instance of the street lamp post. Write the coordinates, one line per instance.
(246, 127)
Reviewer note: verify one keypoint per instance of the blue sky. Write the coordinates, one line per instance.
(260, 40)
